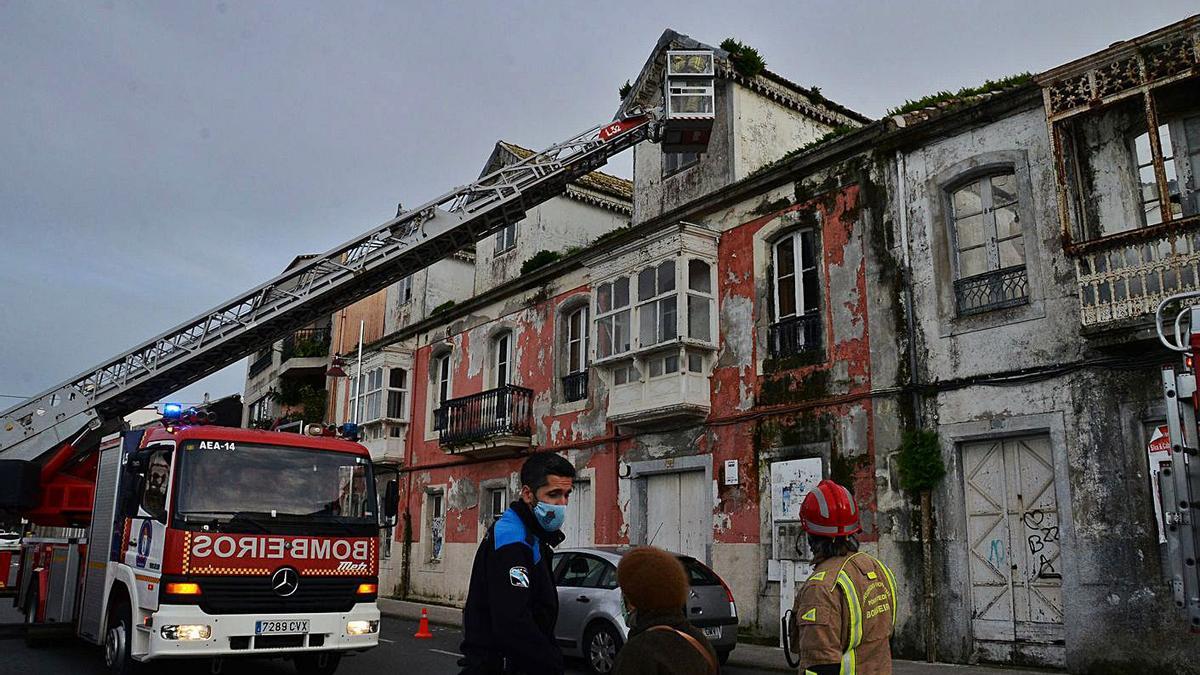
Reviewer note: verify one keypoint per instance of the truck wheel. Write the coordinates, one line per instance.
(320, 663)
(117, 646)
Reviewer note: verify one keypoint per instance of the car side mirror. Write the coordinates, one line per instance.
(391, 502)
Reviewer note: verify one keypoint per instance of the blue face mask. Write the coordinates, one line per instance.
(550, 516)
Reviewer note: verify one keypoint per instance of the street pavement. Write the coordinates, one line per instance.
(398, 652)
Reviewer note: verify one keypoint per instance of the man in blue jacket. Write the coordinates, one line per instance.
(512, 603)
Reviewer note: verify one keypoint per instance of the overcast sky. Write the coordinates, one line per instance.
(158, 158)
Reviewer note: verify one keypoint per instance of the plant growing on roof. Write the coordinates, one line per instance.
(987, 87)
(624, 90)
(745, 59)
(539, 260)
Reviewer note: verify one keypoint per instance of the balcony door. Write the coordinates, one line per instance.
(502, 374)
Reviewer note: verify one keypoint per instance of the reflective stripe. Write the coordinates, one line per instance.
(823, 529)
(891, 580)
(822, 505)
(847, 586)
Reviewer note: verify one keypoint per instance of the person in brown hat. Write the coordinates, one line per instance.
(654, 588)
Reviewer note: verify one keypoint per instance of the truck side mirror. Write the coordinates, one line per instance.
(391, 501)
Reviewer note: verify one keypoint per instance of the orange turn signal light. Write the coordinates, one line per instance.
(367, 589)
(183, 589)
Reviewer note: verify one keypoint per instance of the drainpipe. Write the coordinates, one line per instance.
(918, 416)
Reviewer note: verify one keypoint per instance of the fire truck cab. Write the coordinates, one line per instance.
(218, 542)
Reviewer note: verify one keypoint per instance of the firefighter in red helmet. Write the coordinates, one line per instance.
(845, 612)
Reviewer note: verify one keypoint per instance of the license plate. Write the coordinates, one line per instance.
(714, 632)
(280, 626)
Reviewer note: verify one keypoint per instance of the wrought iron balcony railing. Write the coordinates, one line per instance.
(998, 289)
(1128, 280)
(305, 343)
(504, 411)
(794, 335)
(575, 386)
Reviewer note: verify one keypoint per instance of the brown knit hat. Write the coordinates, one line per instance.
(652, 579)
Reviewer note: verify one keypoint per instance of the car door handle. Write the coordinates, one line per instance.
(697, 610)
(583, 598)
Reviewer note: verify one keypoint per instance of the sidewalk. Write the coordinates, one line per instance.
(745, 656)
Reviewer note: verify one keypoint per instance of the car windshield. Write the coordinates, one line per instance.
(224, 479)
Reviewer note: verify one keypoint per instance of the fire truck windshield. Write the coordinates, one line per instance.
(272, 488)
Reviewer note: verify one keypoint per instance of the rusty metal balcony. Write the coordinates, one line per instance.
(1125, 281)
(496, 420)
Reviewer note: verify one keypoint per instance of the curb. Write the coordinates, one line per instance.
(438, 614)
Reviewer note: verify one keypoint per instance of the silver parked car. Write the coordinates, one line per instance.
(589, 605)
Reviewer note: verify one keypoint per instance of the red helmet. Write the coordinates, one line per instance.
(829, 511)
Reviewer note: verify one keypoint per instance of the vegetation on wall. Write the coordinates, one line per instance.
(966, 92)
(920, 461)
(442, 307)
(745, 59)
(625, 89)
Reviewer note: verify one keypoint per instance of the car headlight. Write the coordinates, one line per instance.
(362, 627)
(186, 632)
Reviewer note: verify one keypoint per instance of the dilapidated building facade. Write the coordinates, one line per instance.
(784, 307)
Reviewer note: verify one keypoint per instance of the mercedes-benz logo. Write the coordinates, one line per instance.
(285, 581)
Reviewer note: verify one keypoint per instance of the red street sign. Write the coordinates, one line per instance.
(1160, 441)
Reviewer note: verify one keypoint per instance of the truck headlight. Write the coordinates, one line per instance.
(186, 632)
(362, 627)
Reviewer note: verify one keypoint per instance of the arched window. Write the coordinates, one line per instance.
(989, 248)
(575, 345)
(502, 359)
(796, 293)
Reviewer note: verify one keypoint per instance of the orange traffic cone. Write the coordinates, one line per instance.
(423, 627)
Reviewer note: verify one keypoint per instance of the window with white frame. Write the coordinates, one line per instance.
(699, 300)
(366, 395)
(626, 374)
(497, 503)
(441, 381)
(797, 291)
(436, 526)
(502, 359)
(575, 377)
(577, 341)
(440, 375)
(658, 304)
(506, 239)
(404, 289)
(613, 322)
(397, 394)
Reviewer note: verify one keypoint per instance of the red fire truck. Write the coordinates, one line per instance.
(203, 541)
(213, 542)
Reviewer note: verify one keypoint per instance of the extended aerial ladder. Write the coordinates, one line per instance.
(1179, 483)
(51, 429)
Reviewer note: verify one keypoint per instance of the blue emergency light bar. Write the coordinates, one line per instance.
(172, 411)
